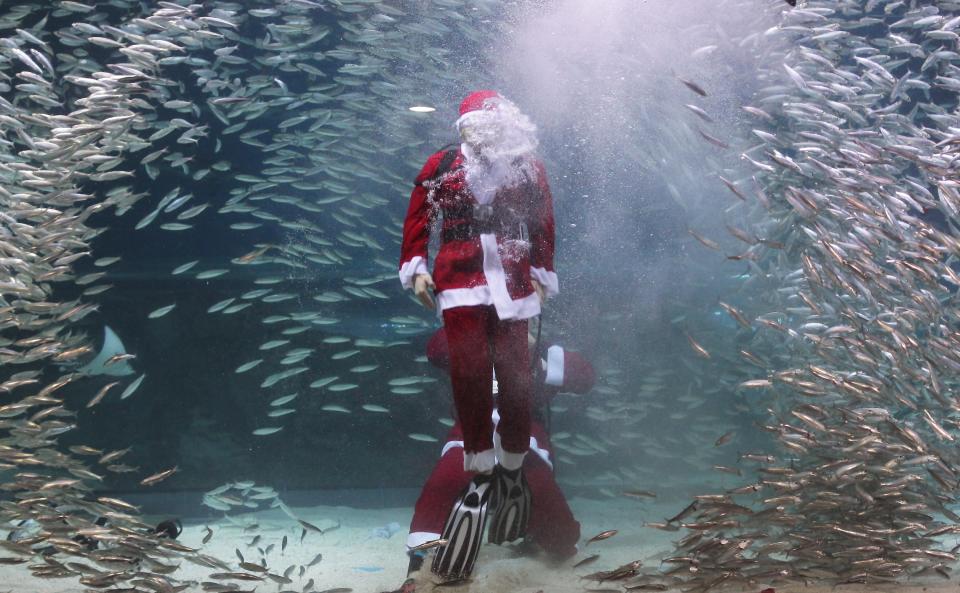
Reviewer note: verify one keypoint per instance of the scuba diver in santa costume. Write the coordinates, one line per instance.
(552, 528)
(491, 274)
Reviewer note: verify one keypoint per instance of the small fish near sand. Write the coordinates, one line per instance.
(435, 543)
(639, 494)
(240, 123)
(622, 572)
(587, 560)
(602, 536)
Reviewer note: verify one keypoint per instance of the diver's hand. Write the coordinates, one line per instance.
(539, 289)
(422, 285)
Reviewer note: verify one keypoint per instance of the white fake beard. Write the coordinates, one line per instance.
(508, 140)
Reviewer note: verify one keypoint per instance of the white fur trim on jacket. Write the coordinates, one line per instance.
(507, 308)
(464, 297)
(548, 280)
(409, 269)
(494, 292)
(506, 459)
(554, 366)
(525, 308)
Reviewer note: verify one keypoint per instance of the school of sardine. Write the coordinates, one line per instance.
(103, 103)
(848, 329)
(848, 196)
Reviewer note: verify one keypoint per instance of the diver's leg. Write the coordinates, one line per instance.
(512, 497)
(471, 376)
(511, 359)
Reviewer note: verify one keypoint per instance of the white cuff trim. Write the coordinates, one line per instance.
(507, 459)
(409, 269)
(481, 463)
(554, 366)
(548, 280)
(543, 454)
(420, 537)
(511, 461)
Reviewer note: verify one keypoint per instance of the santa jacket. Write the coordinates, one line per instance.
(489, 269)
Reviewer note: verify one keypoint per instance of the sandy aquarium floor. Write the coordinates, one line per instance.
(356, 559)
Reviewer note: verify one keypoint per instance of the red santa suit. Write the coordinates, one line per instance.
(552, 525)
(495, 239)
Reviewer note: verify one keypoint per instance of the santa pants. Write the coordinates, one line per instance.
(480, 343)
(552, 525)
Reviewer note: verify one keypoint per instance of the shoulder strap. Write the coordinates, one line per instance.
(446, 161)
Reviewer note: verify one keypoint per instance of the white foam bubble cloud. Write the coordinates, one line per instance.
(604, 81)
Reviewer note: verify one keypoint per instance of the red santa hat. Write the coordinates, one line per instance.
(478, 100)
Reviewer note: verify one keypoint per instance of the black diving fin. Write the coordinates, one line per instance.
(463, 531)
(512, 506)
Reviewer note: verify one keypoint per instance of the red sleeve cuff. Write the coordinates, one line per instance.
(578, 373)
(438, 351)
